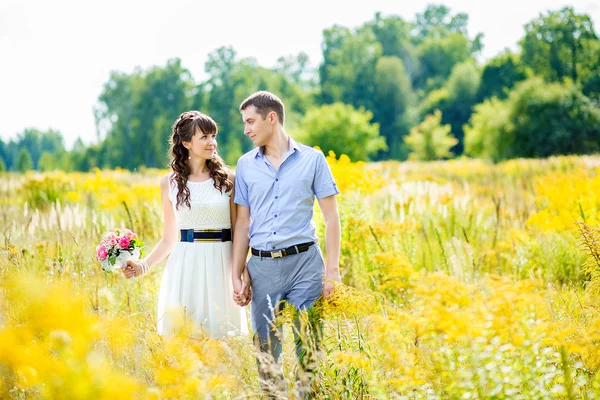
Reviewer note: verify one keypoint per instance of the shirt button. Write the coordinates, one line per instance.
(276, 180)
(274, 233)
(273, 247)
(275, 215)
(276, 197)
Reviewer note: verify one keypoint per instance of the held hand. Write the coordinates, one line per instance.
(242, 291)
(237, 289)
(330, 277)
(131, 269)
(247, 288)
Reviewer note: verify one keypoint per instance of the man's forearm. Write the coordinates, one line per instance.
(332, 243)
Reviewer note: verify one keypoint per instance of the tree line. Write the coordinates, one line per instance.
(388, 89)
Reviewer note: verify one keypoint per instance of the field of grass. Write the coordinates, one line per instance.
(462, 280)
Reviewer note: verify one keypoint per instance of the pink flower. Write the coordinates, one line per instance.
(101, 253)
(124, 242)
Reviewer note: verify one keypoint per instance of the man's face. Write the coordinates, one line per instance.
(259, 130)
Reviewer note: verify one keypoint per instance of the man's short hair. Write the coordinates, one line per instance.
(265, 102)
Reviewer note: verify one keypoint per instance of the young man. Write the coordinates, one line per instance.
(275, 187)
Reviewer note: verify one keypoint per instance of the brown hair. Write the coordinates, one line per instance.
(265, 102)
(184, 128)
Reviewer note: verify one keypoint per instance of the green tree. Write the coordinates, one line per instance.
(590, 72)
(47, 162)
(225, 75)
(60, 160)
(135, 112)
(296, 69)
(430, 140)
(500, 75)
(437, 21)
(394, 36)
(538, 119)
(2, 165)
(438, 56)
(347, 73)
(555, 44)
(486, 135)
(24, 162)
(456, 99)
(549, 119)
(36, 142)
(343, 129)
(393, 104)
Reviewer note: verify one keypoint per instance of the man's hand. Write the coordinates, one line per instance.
(242, 290)
(328, 285)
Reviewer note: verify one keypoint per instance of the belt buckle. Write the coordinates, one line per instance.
(277, 254)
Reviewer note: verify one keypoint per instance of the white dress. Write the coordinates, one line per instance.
(196, 284)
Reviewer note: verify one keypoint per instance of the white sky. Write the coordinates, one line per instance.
(55, 56)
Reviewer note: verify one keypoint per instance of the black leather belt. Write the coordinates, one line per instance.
(297, 249)
(205, 235)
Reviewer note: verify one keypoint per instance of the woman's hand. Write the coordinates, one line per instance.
(131, 269)
(242, 289)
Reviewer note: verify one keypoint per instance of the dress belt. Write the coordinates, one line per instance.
(205, 235)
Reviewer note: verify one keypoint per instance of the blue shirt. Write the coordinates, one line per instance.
(281, 202)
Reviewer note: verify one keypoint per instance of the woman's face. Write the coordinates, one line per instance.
(202, 145)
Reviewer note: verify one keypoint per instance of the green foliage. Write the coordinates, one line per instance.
(394, 36)
(437, 21)
(537, 120)
(394, 99)
(35, 142)
(399, 70)
(500, 75)
(430, 140)
(438, 56)
(343, 129)
(136, 111)
(555, 45)
(47, 162)
(486, 135)
(2, 165)
(590, 73)
(456, 99)
(550, 119)
(24, 162)
(348, 71)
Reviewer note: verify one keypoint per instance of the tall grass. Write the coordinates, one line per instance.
(461, 280)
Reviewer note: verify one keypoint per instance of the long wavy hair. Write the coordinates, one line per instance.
(184, 128)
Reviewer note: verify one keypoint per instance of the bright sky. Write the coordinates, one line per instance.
(57, 55)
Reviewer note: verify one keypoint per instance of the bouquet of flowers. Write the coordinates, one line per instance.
(117, 247)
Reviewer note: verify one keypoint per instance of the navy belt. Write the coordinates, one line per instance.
(297, 249)
(205, 235)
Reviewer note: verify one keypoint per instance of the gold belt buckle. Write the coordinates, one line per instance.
(276, 254)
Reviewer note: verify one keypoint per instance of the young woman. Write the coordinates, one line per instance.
(198, 208)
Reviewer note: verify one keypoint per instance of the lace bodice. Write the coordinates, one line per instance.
(209, 207)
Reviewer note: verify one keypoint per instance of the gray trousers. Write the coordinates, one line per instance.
(297, 279)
